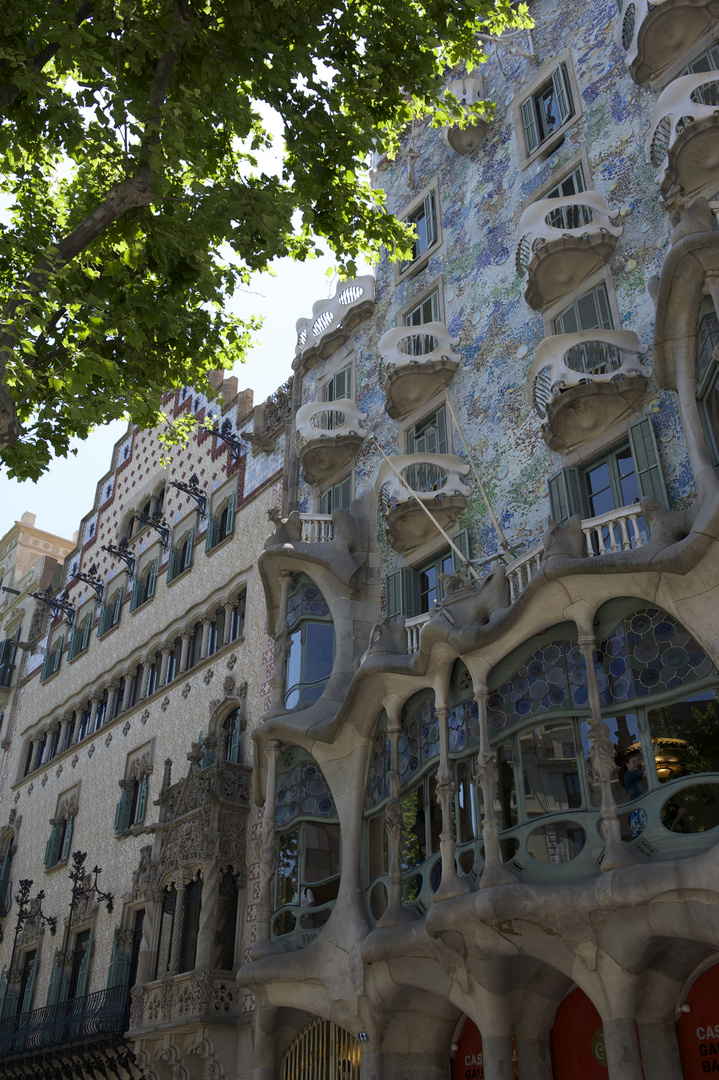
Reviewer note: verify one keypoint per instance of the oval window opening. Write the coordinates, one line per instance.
(692, 809)
(558, 842)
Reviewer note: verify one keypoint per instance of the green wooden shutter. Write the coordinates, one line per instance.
(65, 854)
(461, 540)
(83, 973)
(141, 800)
(26, 1003)
(52, 847)
(442, 443)
(119, 967)
(562, 93)
(138, 594)
(105, 621)
(151, 579)
(646, 460)
(430, 217)
(173, 564)
(122, 810)
(565, 495)
(86, 632)
(230, 526)
(213, 532)
(402, 594)
(529, 122)
(58, 654)
(46, 666)
(10, 1001)
(188, 549)
(117, 610)
(53, 992)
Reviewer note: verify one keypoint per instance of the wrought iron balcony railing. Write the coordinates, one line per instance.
(683, 138)
(86, 1019)
(333, 320)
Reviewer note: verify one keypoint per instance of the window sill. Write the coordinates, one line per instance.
(177, 577)
(547, 148)
(220, 544)
(102, 637)
(58, 866)
(418, 264)
(135, 830)
(77, 656)
(142, 605)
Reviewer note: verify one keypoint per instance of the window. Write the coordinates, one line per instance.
(226, 921)
(8, 649)
(57, 849)
(339, 386)
(413, 590)
(708, 61)
(312, 644)
(181, 557)
(337, 497)
(101, 711)
(123, 962)
(143, 588)
(232, 729)
(132, 805)
(153, 675)
(53, 656)
(427, 311)
(429, 436)
(569, 217)
(79, 638)
(173, 661)
(110, 613)
(547, 110)
(588, 312)
(424, 219)
(17, 991)
(195, 651)
(217, 632)
(237, 618)
(708, 375)
(222, 526)
(623, 475)
(186, 921)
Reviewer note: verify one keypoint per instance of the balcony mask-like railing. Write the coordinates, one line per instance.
(328, 436)
(333, 320)
(467, 91)
(415, 363)
(561, 242)
(317, 528)
(433, 479)
(655, 33)
(605, 363)
(683, 144)
(93, 1017)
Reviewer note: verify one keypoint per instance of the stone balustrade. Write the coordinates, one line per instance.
(589, 364)
(521, 570)
(333, 320)
(683, 141)
(317, 528)
(413, 628)
(416, 362)
(435, 480)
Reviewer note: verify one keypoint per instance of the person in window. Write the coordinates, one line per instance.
(305, 897)
(634, 775)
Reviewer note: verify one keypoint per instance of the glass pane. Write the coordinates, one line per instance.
(378, 848)
(319, 651)
(322, 851)
(631, 778)
(287, 867)
(693, 809)
(427, 588)
(559, 842)
(466, 808)
(599, 490)
(414, 840)
(548, 756)
(685, 737)
(506, 801)
(435, 814)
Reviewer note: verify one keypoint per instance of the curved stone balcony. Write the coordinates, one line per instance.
(654, 35)
(561, 242)
(433, 479)
(581, 384)
(333, 320)
(683, 143)
(415, 363)
(329, 434)
(467, 91)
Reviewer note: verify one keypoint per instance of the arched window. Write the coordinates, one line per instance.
(110, 613)
(195, 652)
(312, 644)
(308, 837)
(323, 1051)
(660, 701)
(181, 556)
(708, 375)
(231, 729)
(226, 921)
(186, 923)
(221, 524)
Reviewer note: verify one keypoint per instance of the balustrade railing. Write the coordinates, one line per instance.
(103, 1013)
(548, 220)
(428, 476)
(682, 103)
(413, 628)
(317, 528)
(521, 571)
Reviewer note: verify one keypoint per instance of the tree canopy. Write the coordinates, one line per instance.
(129, 139)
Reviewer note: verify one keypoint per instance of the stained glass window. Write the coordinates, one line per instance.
(302, 791)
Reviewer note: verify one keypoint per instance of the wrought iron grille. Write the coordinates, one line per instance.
(103, 1013)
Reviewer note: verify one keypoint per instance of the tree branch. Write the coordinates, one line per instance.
(35, 64)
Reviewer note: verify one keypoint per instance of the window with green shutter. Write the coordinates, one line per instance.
(429, 436)
(221, 526)
(547, 110)
(337, 497)
(424, 219)
(588, 312)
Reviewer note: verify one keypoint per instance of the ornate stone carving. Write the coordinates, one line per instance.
(186, 690)
(231, 661)
(228, 685)
(126, 727)
(208, 676)
(165, 704)
(137, 1000)
(141, 876)
(145, 716)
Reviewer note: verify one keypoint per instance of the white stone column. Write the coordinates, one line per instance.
(622, 1049)
(78, 715)
(228, 604)
(207, 622)
(37, 742)
(128, 675)
(95, 701)
(494, 872)
(451, 884)
(147, 662)
(497, 1055)
(112, 689)
(165, 652)
(65, 721)
(208, 914)
(186, 636)
(268, 860)
(396, 912)
(660, 1051)
(177, 925)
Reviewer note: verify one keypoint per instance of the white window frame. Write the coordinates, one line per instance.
(410, 267)
(551, 142)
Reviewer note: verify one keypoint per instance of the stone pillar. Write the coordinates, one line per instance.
(494, 872)
(65, 722)
(77, 729)
(601, 754)
(229, 605)
(94, 702)
(52, 738)
(208, 914)
(497, 1055)
(622, 1049)
(451, 884)
(268, 861)
(535, 1058)
(112, 689)
(207, 622)
(660, 1051)
(177, 925)
(186, 637)
(37, 742)
(148, 947)
(395, 912)
(165, 652)
(128, 675)
(277, 682)
(147, 662)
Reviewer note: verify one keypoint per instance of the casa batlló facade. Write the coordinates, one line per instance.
(451, 797)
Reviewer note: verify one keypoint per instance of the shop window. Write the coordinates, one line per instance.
(143, 588)
(426, 311)
(79, 638)
(110, 613)
(180, 558)
(547, 110)
(414, 590)
(221, 526)
(308, 868)
(590, 311)
(226, 921)
(337, 497)
(425, 220)
(620, 477)
(312, 644)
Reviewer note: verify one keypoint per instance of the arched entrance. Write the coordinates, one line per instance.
(577, 1040)
(323, 1051)
(469, 1057)
(698, 1030)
